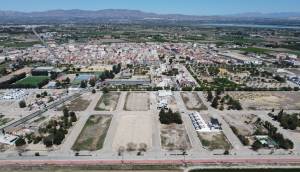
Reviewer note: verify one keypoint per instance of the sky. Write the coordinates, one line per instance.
(192, 7)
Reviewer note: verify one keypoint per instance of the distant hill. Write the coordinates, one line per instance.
(283, 15)
(123, 15)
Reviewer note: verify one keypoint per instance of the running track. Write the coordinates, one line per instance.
(277, 161)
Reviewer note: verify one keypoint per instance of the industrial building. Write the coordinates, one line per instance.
(128, 82)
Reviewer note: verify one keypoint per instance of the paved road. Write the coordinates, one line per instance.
(45, 43)
(217, 161)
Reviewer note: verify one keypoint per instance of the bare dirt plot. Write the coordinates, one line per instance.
(174, 137)
(268, 100)
(243, 123)
(133, 128)
(192, 101)
(137, 101)
(79, 104)
(214, 140)
(245, 127)
(93, 133)
(108, 102)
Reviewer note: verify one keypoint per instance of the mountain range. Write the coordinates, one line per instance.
(123, 15)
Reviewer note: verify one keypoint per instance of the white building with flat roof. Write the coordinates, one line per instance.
(199, 123)
(7, 139)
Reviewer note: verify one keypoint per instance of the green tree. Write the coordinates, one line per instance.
(22, 104)
(215, 103)
(66, 112)
(67, 80)
(48, 141)
(209, 96)
(20, 142)
(92, 82)
(58, 137)
(257, 145)
(83, 84)
(105, 90)
(73, 116)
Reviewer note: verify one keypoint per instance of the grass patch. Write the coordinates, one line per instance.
(220, 84)
(18, 44)
(245, 170)
(32, 81)
(255, 50)
(93, 133)
(4, 120)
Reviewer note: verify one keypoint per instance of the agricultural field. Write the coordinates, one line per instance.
(268, 100)
(138, 129)
(214, 140)
(192, 101)
(108, 102)
(93, 133)
(137, 101)
(255, 50)
(32, 81)
(79, 104)
(174, 137)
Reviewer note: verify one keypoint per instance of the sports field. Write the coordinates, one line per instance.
(33, 81)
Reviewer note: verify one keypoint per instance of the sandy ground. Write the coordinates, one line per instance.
(133, 128)
(137, 101)
(79, 104)
(174, 137)
(192, 101)
(172, 104)
(243, 123)
(11, 110)
(214, 140)
(268, 100)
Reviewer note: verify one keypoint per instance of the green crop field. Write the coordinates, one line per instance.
(33, 81)
(255, 50)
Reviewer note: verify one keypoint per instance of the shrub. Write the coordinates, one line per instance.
(257, 145)
(22, 104)
(131, 147)
(73, 116)
(48, 142)
(20, 142)
(169, 117)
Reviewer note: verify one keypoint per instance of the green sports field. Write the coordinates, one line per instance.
(32, 80)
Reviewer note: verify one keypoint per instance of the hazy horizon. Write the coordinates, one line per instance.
(192, 7)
